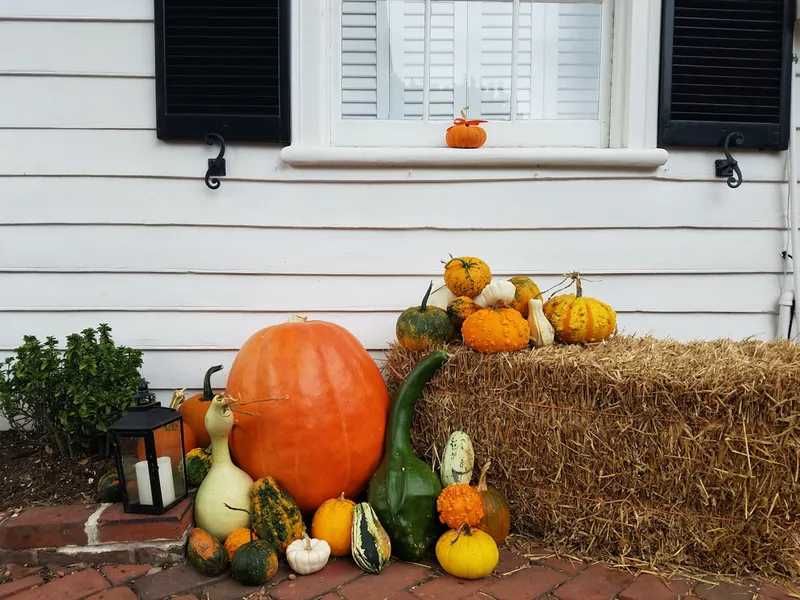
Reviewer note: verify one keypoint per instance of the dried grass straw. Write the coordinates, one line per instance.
(637, 450)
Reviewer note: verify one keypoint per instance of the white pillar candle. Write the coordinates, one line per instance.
(143, 482)
(164, 479)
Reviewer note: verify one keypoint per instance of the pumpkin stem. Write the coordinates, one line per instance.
(307, 541)
(298, 319)
(576, 277)
(482, 486)
(464, 112)
(341, 497)
(208, 391)
(424, 306)
(178, 397)
(465, 529)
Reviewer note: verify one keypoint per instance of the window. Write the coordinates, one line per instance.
(539, 72)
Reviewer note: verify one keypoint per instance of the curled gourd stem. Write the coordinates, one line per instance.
(250, 529)
(576, 277)
(482, 486)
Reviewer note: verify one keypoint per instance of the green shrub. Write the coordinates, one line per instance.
(68, 399)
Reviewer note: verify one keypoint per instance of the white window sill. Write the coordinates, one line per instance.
(364, 157)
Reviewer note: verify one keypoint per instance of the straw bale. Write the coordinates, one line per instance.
(637, 449)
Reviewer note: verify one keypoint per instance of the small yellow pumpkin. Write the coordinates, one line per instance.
(467, 553)
(579, 319)
(526, 290)
(459, 309)
(238, 538)
(333, 523)
(496, 330)
(466, 275)
(460, 504)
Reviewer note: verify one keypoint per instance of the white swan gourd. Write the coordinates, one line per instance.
(225, 483)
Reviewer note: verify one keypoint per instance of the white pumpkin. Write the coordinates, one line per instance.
(497, 293)
(441, 297)
(542, 333)
(308, 555)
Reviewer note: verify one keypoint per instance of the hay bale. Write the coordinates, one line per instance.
(657, 451)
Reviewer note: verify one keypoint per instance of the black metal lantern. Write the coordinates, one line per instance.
(148, 448)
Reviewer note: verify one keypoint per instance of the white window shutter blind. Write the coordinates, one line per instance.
(360, 65)
(579, 43)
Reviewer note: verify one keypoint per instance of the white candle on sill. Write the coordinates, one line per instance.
(164, 479)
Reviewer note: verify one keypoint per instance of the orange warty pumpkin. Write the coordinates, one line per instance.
(460, 504)
(323, 432)
(193, 410)
(466, 133)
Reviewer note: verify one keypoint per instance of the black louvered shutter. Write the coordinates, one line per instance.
(222, 67)
(726, 66)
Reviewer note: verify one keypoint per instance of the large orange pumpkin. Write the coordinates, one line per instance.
(322, 434)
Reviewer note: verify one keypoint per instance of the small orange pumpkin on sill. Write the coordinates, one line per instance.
(466, 133)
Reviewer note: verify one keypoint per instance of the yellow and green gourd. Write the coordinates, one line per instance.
(371, 547)
(276, 517)
(421, 327)
(198, 464)
(226, 484)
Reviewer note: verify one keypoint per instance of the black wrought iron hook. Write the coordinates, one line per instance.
(216, 166)
(729, 166)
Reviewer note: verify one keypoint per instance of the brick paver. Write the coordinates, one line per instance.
(510, 561)
(119, 574)
(117, 593)
(335, 574)
(182, 579)
(648, 587)
(565, 565)
(46, 526)
(723, 591)
(525, 584)
(70, 587)
(396, 577)
(19, 585)
(598, 582)
(448, 588)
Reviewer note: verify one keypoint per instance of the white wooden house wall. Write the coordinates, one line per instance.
(101, 222)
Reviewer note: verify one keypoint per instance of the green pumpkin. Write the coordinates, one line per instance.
(404, 489)
(198, 464)
(205, 553)
(109, 488)
(275, 516)
(254, 563)
(421, 327)
(369, 543)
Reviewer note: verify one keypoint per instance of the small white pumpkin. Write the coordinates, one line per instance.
(542, 333)
(441, 297)
(497, 293)
(308, 555)
(458, 459)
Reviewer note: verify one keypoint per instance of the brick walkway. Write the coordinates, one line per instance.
(515, 579)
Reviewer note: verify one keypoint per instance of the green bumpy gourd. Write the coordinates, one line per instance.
(404, 489)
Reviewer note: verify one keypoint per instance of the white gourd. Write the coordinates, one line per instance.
(497, 293)
(542, 332)
(308, 555)
(458, 459)
(225, 483)
(441, 297)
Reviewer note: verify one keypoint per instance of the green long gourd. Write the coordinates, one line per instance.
(403, 490)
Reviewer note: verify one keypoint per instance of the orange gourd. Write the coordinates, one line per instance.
(238, 538)
(497, 514)
(460, 504)
(333, 522)
(323, 434)
(466, 133)
(194, 410)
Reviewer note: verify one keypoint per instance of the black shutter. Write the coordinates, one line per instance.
(222, 66)
(726, 66)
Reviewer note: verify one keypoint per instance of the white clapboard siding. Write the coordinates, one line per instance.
(96, 10)
(525, 205)
(144, 292)
(376, 252)
(359, 80)
(75, 47)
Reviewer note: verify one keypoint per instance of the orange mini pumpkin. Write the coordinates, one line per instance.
(238, 538)
(333, 522)
(461, 308)
(460, 504)
(466, 133)
(496, 330)
(466, 275)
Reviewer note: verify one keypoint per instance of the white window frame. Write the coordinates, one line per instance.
(631, 124)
